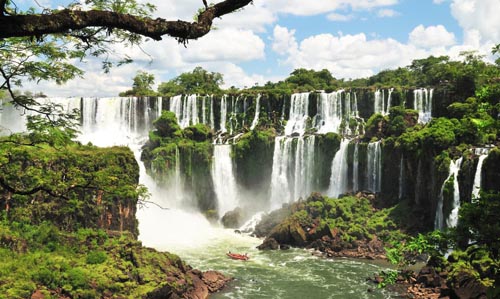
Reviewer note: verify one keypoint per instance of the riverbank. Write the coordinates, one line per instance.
(41, 261)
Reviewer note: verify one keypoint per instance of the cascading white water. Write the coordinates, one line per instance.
(355, 110)
(422, 102)
(338, 179)
(293, 166)
(257, 113)
(280, 186)
(185, 109)
(224, 180)
(117, 121)
(107, 122)
(379, 102)
(389, 101)
(176, 106)
(304, 167)
(212, 117)
(204, 110)
(374, 167)
(355, 168)
(223, 115)
(190, 113)
(380, 105)
(299, 108)
(330, 112)
(453, 217)
(249, 226)
(232, 116)
(476, 187)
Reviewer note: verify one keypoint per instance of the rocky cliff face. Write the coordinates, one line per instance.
(75, 187)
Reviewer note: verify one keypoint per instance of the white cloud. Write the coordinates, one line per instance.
(351, 56)
(253, 17)
(227, 45)
(316, 7)
(438, 1)
(283, 40)
(480, 16)
(387, 13)
(339, 18)
(369, 4)
(431, 37)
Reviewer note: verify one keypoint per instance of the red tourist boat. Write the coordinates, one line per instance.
(237, 256)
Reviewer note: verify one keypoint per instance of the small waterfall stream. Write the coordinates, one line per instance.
(379, 101)
(224, 181)
(299, 107)
(374, 167)
(476, 187)
(355, 168)
(338, 180)
(422, 102)
(293, 166)
(452, 219)
(223, 115)
(257, 113)
(330, 112)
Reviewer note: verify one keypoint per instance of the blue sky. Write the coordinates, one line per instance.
(269, 39)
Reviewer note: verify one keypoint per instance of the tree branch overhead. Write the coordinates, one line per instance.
(66, 20)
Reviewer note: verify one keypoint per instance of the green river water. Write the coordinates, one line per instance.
(288, 274)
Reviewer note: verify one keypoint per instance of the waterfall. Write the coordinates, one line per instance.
(257, 113)
(299, 107)
(355, 106)
(233, 121)
(380, 106)
(204, 110)
(223, 115)
(338, 179)
(249, 226)
(453, 217)
(304, 167)
(355, 168)
(280, 186)
(224, 180)
(185, 109)
(422, 102)
(190, 113)
(293, 169)
(389, 100)
(125, 119)
(483, 153)
(173, 189)
(374, 167)
(212, 118)
(176, 106)
(329, 112)
(379, 102)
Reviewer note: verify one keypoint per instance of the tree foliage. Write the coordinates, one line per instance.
(142, 86)
(199, 81)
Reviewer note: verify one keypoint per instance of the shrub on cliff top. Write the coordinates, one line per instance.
(167, 125)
